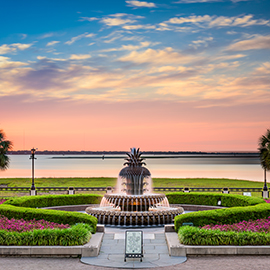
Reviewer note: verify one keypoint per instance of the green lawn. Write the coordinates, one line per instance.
(59, 182)
(205, 182)
(105, 182)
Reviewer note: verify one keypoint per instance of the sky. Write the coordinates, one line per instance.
(162, 75)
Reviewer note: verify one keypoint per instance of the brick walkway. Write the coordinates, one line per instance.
(193, 263)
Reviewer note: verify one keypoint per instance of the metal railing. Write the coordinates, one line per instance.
(196, 189)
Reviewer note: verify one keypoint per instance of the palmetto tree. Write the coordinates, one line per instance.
(5, 146)
(264, 148)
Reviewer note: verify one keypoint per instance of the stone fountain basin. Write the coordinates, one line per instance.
(148, 209)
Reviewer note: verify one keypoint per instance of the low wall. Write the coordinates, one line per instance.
(74, 208)
(191, 207)
(187, 207)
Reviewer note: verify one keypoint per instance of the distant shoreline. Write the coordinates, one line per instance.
(152, 153)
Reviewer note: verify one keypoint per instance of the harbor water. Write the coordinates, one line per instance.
(96, 166)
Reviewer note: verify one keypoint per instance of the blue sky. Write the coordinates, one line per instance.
(207, 60)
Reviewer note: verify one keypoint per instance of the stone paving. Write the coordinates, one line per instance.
(192, 263)
(151, 249)
(113, 249)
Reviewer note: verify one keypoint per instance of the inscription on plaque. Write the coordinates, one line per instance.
(134, 244)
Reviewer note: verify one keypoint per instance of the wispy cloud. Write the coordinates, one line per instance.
(6, 63)
(139, 4)
(130, 47)
(205, 1)
(90, 19)
(139, 26)
(150, 56)
(51, 43)
(46, 35)
(256, 43)
(167, 75)
(80, 56)
(208, 21)
(264, 69)
(5, 48)
(23, 36)
(201, 42)
(116, 21)
(74, 39)
(120, 19)
(51, 59)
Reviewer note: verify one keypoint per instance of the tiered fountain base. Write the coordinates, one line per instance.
(134, 210)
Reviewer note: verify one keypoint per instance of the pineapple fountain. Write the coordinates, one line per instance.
(133, 203)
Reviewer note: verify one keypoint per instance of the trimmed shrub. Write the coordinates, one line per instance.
(22, 207)
(207, 198)
(223, 216)
(54, 200)
(196, 236)
(56, 216)
(76, 235)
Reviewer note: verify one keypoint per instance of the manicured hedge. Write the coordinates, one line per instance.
(54, 200)
(65, 217)
(224, 216)
(203, 237)
(207, 198)
(76, 235)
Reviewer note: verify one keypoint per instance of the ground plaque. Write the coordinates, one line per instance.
(134, 244)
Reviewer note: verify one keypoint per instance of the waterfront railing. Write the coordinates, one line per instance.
(162, 189)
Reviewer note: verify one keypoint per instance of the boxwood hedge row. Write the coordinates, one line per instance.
(27, 208)
(76, 235)
(54, 200)
(224, 216)
(203, 237)
(207, 198)
(247, 208)
(64, 217)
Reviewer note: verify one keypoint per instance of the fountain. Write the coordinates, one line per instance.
(133, 203)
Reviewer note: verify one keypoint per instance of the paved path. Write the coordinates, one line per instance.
(154, 244)
(154, 249)
(193, 263)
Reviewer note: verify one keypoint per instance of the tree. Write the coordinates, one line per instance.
(264, 149)
(5, 146)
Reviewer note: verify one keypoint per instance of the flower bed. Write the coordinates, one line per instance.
(61, 217)
(2, 201)
(259, 225)
(20, 225)
(78, 234)
(204, 237)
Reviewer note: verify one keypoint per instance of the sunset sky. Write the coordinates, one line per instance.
(178, 75)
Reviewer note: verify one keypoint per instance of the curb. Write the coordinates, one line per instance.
(177, 249)
(91, 249)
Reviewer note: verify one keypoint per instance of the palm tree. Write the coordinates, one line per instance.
(5, 146)
(264, 148)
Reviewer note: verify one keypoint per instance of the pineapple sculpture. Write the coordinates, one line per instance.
(134, 175)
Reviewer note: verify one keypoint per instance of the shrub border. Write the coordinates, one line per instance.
(257, 208)
(208, 198)
(23, 207)
(78, 234)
